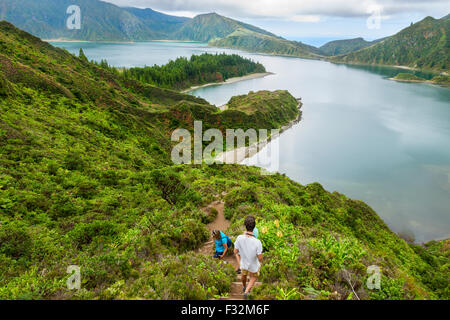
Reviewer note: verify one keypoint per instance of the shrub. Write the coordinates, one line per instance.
(84, 233)
(15, 240)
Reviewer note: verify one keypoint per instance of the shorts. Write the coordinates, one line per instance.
(218, 254)
(252, 274)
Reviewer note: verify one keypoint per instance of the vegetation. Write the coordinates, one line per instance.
(423, 45)
(103, 21)
(442, 80)
(266, 108)
(338, 47)
(86, 179)
(205, 68)
(318, 245)
(407, 77)
(245, 39)
(206, 27)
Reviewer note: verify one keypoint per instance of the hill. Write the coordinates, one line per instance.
(162, 24)
(206, 27)
(101, 21)
(423, 45)
(86, 179)
(245, 39)
(338, 47)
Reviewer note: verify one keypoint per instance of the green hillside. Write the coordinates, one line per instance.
(244, 39)
(423, 45)
(100, 20)
(103, 21)
(338, 47)
(159, 22)
(206, 27)
(86, 179)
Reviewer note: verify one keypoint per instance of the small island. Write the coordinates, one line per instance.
(442, 79)
(408, 77)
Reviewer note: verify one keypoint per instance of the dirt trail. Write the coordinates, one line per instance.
(220, 223)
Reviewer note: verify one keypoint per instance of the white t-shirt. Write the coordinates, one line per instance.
(249, 249)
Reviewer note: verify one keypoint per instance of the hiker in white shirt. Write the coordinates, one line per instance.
(250, 250)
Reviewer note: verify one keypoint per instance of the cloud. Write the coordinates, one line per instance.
(293, 10)
(305, 18)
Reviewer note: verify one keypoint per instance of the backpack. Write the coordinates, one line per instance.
(229, 242)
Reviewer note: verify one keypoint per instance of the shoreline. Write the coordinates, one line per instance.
(85, 41)
(112, 41)
(444, 85)
(230, 81)
(238, 155)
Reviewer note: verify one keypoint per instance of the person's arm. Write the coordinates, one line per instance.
(236, 246)
(225, 246)
(259, 251)
(260, 257)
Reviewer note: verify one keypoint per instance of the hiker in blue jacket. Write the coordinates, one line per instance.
(223, 243)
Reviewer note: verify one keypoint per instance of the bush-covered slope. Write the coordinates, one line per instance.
(86, 179)
(423, 45)
(337, 47)
(244, 39)
(158, 22)
(100, 21)
(206, 27)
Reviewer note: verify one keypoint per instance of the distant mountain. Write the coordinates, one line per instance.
(337, 47)
(206, 27)
(159, 22)
(423, 45)
(245, 39)
(101, 21)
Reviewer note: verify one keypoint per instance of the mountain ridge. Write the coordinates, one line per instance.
(423, 45)
(339, 47)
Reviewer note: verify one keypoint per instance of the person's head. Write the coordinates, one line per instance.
(250, 223)
(216, 234)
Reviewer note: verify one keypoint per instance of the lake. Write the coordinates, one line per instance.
(372, 139)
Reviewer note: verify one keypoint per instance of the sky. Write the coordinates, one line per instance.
(312, 21)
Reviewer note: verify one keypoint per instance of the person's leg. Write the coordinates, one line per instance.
(251, 282)
(244, 278)
(238, 260)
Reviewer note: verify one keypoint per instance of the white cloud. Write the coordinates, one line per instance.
(297, 10)
(305, 18)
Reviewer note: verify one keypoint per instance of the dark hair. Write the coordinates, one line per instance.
(216, 234)
(250, 223)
